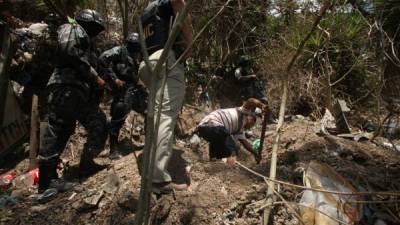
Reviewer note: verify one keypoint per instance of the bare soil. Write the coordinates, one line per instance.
(218, 194)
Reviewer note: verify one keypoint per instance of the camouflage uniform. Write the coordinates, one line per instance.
(118, 64)
(72, 97)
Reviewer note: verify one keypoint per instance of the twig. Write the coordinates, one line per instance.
(378, 131)
(196, 108)
(200, 33)
(315, 189)
(284, 201)
(285, 81)
(301, 205)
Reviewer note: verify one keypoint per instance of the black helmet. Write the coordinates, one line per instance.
(244, 60)
(91, 21)
(132, 42)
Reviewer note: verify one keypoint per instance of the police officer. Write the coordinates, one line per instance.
(156, 20)
(71, 99)
(247, 79)
(120, 65)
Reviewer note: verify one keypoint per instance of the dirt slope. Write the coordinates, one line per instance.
(218, 194)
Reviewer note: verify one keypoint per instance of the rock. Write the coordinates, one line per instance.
(92, 198)
(380, 222)
(38, 28)
(20, 194)
(112, 184)
(128, 201)
(38, 208)
(224, 191)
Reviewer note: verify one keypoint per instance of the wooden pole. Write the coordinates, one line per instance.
(34, 137)
(285, 91)
(262, 139)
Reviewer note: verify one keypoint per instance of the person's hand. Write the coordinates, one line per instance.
(257, 157)
(231, 160)
(100, 81)
(119, 83)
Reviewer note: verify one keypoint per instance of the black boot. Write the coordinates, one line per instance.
(46, 174)
(87, 166)
(114, 153)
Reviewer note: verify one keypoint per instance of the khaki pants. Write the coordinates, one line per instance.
(174, 94)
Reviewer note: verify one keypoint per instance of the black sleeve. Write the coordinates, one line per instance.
(107, 60)
(75, 52)
(165, 9)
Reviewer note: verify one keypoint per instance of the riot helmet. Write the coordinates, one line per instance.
(244, 61)
(91, 21)
(132, 43)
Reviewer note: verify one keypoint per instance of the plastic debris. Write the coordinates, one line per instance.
(7, 201)
(327, 123)
(26, 180)
(256, 145)
(47, 195)
(391, 129)
(340, 111)
(194, 141)
(326, 208)
(6, 180)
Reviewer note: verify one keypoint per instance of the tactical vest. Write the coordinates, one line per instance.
(155, 28)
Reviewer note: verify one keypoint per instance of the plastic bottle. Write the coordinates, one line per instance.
(27, 180)
(256, 145)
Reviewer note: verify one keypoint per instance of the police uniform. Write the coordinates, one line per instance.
(156, 20)
(249, 88)
(118, 64)
(72, 98)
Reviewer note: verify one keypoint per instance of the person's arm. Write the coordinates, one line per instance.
(106, 61)
(246, 144)
(74, 49)
(241, 78)
(187, 28)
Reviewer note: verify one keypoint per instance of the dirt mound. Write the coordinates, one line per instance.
(217, 194)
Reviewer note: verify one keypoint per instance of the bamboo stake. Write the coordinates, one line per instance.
(34, 138)
(285, 82)
(262, 138)
(142, 216)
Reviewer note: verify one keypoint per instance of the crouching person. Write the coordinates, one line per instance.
(222, 126)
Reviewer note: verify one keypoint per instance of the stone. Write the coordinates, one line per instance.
(129, 201)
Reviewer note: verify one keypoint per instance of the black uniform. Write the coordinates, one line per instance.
(250, 88)
(73, 96)
(117, 63)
